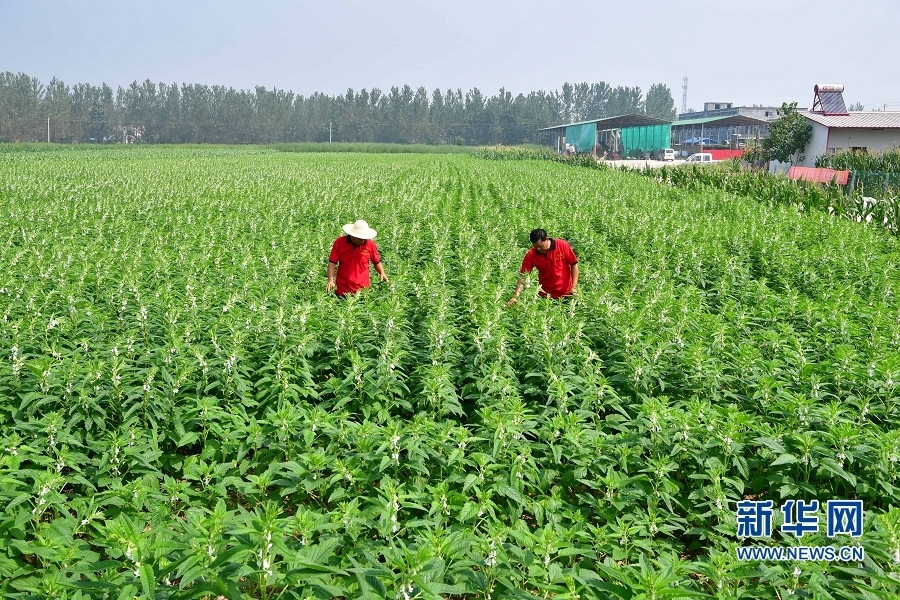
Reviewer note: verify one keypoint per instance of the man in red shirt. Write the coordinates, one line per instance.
(350, 256)
(556, 264)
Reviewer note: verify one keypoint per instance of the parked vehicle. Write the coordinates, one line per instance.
(700, 158)
(662, 154)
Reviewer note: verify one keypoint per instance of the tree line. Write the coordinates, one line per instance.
(151, 112)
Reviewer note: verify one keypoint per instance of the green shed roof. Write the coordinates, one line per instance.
(618, 122)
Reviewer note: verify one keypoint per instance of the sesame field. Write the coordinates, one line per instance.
(187, 414)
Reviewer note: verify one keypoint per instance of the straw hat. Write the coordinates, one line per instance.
(360, 230)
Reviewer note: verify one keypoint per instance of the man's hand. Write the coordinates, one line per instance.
(379, 268)
(330, 275)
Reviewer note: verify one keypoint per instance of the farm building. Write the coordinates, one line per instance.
(834, 128)
(857, 130)
(638, 135)
(729, 131)
(625, 135)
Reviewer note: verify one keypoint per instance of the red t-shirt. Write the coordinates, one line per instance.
(554, 268)
(353, 264)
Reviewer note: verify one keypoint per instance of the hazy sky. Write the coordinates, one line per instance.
(746, 52)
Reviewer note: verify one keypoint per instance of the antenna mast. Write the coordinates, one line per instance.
(684, 95)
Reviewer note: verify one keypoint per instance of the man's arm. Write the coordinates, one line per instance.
(330, 285)
(520, 285)
(527, 266)
(376, 260)
(380, 270)
(573, 267)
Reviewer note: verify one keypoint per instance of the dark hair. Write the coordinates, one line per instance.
(538, 235)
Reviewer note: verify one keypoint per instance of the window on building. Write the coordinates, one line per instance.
(833, 150)
(860, 149)
(768, 113)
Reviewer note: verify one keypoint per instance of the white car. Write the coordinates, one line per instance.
(668, 154)
(700, 158)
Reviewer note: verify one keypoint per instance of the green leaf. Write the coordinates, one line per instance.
(512, 493)
(127, 592)
(148, 581)
(469, 510)
(784, 459)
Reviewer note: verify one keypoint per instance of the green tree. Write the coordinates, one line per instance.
(170, 114)
(99, 124)
(659, 102)
(624, 100)
(788, 136)
(58, 106)
(581, 99)
(436, 116)
(20, 102)
(599, 100)
(568, 99)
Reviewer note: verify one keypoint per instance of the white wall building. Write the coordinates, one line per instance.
(860, 131)
(834, 128)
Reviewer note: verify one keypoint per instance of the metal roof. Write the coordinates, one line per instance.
(617, 122)
(857, 119)
(726, 121)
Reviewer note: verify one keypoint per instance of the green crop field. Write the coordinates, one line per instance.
(187, 414)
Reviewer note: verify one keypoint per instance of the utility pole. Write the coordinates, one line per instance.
(329, 133)
(48, 130)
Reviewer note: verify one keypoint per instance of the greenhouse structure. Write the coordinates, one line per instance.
(731, 131)
(625, 135)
